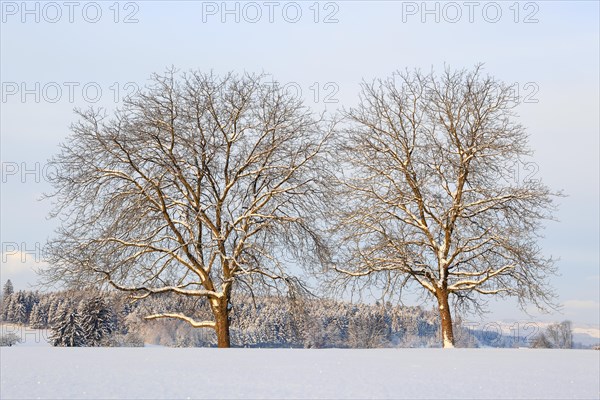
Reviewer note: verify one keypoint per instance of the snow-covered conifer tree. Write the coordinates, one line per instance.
(6, 308)
(34, 317)
(7, 289)
(68, 331)
(18, 310)
(38, 318)
(97, 321)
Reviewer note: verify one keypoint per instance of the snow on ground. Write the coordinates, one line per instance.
(48, 372)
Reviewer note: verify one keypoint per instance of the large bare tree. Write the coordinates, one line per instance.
(429, 194)
(197, 184)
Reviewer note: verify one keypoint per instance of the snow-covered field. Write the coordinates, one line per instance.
(34, 369)
(155, 372)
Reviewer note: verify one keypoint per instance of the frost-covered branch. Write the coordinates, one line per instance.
(191, 321)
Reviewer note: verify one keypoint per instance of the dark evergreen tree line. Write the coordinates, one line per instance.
(80, 318)
(83, 318)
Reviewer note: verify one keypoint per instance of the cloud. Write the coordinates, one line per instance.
(20, 267)
(582, 304)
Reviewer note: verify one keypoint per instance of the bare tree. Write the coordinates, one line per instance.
(560, 335)
(540, 341)
(196, 184)
(428, 196)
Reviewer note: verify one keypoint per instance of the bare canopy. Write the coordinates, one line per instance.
(427, 194)
(195, 185)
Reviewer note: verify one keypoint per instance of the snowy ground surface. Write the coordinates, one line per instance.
(155, 372)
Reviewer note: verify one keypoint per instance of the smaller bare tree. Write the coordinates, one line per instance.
(427, 194)
(556, 336)
(198, 185)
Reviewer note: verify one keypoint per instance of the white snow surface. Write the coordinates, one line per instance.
(182, 373)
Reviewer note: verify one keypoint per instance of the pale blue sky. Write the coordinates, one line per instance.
(557, 55)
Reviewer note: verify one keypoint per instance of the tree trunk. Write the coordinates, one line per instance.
(222, 324)
(446, 317)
